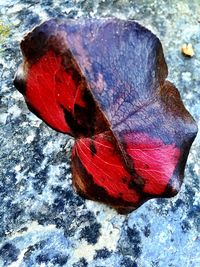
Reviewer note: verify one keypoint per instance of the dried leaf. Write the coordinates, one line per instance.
(103, 82)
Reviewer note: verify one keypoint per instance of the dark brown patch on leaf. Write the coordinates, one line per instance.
(92, 148)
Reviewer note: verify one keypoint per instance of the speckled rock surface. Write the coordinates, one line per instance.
(43, 222)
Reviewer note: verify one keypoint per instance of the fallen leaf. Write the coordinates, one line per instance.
(103, 81)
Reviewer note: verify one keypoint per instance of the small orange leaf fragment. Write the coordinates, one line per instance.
(187, 50)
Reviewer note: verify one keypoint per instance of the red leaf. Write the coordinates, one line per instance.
(103, 82)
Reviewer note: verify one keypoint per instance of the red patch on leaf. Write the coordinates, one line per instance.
(153, 160)
(105, 166)
(50, 89)
(47, 89)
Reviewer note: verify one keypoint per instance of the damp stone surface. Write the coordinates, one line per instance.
(43, 222)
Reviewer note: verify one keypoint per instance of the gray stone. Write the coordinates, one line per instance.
(43, 222)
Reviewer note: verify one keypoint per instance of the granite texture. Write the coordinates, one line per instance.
(43, 222)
